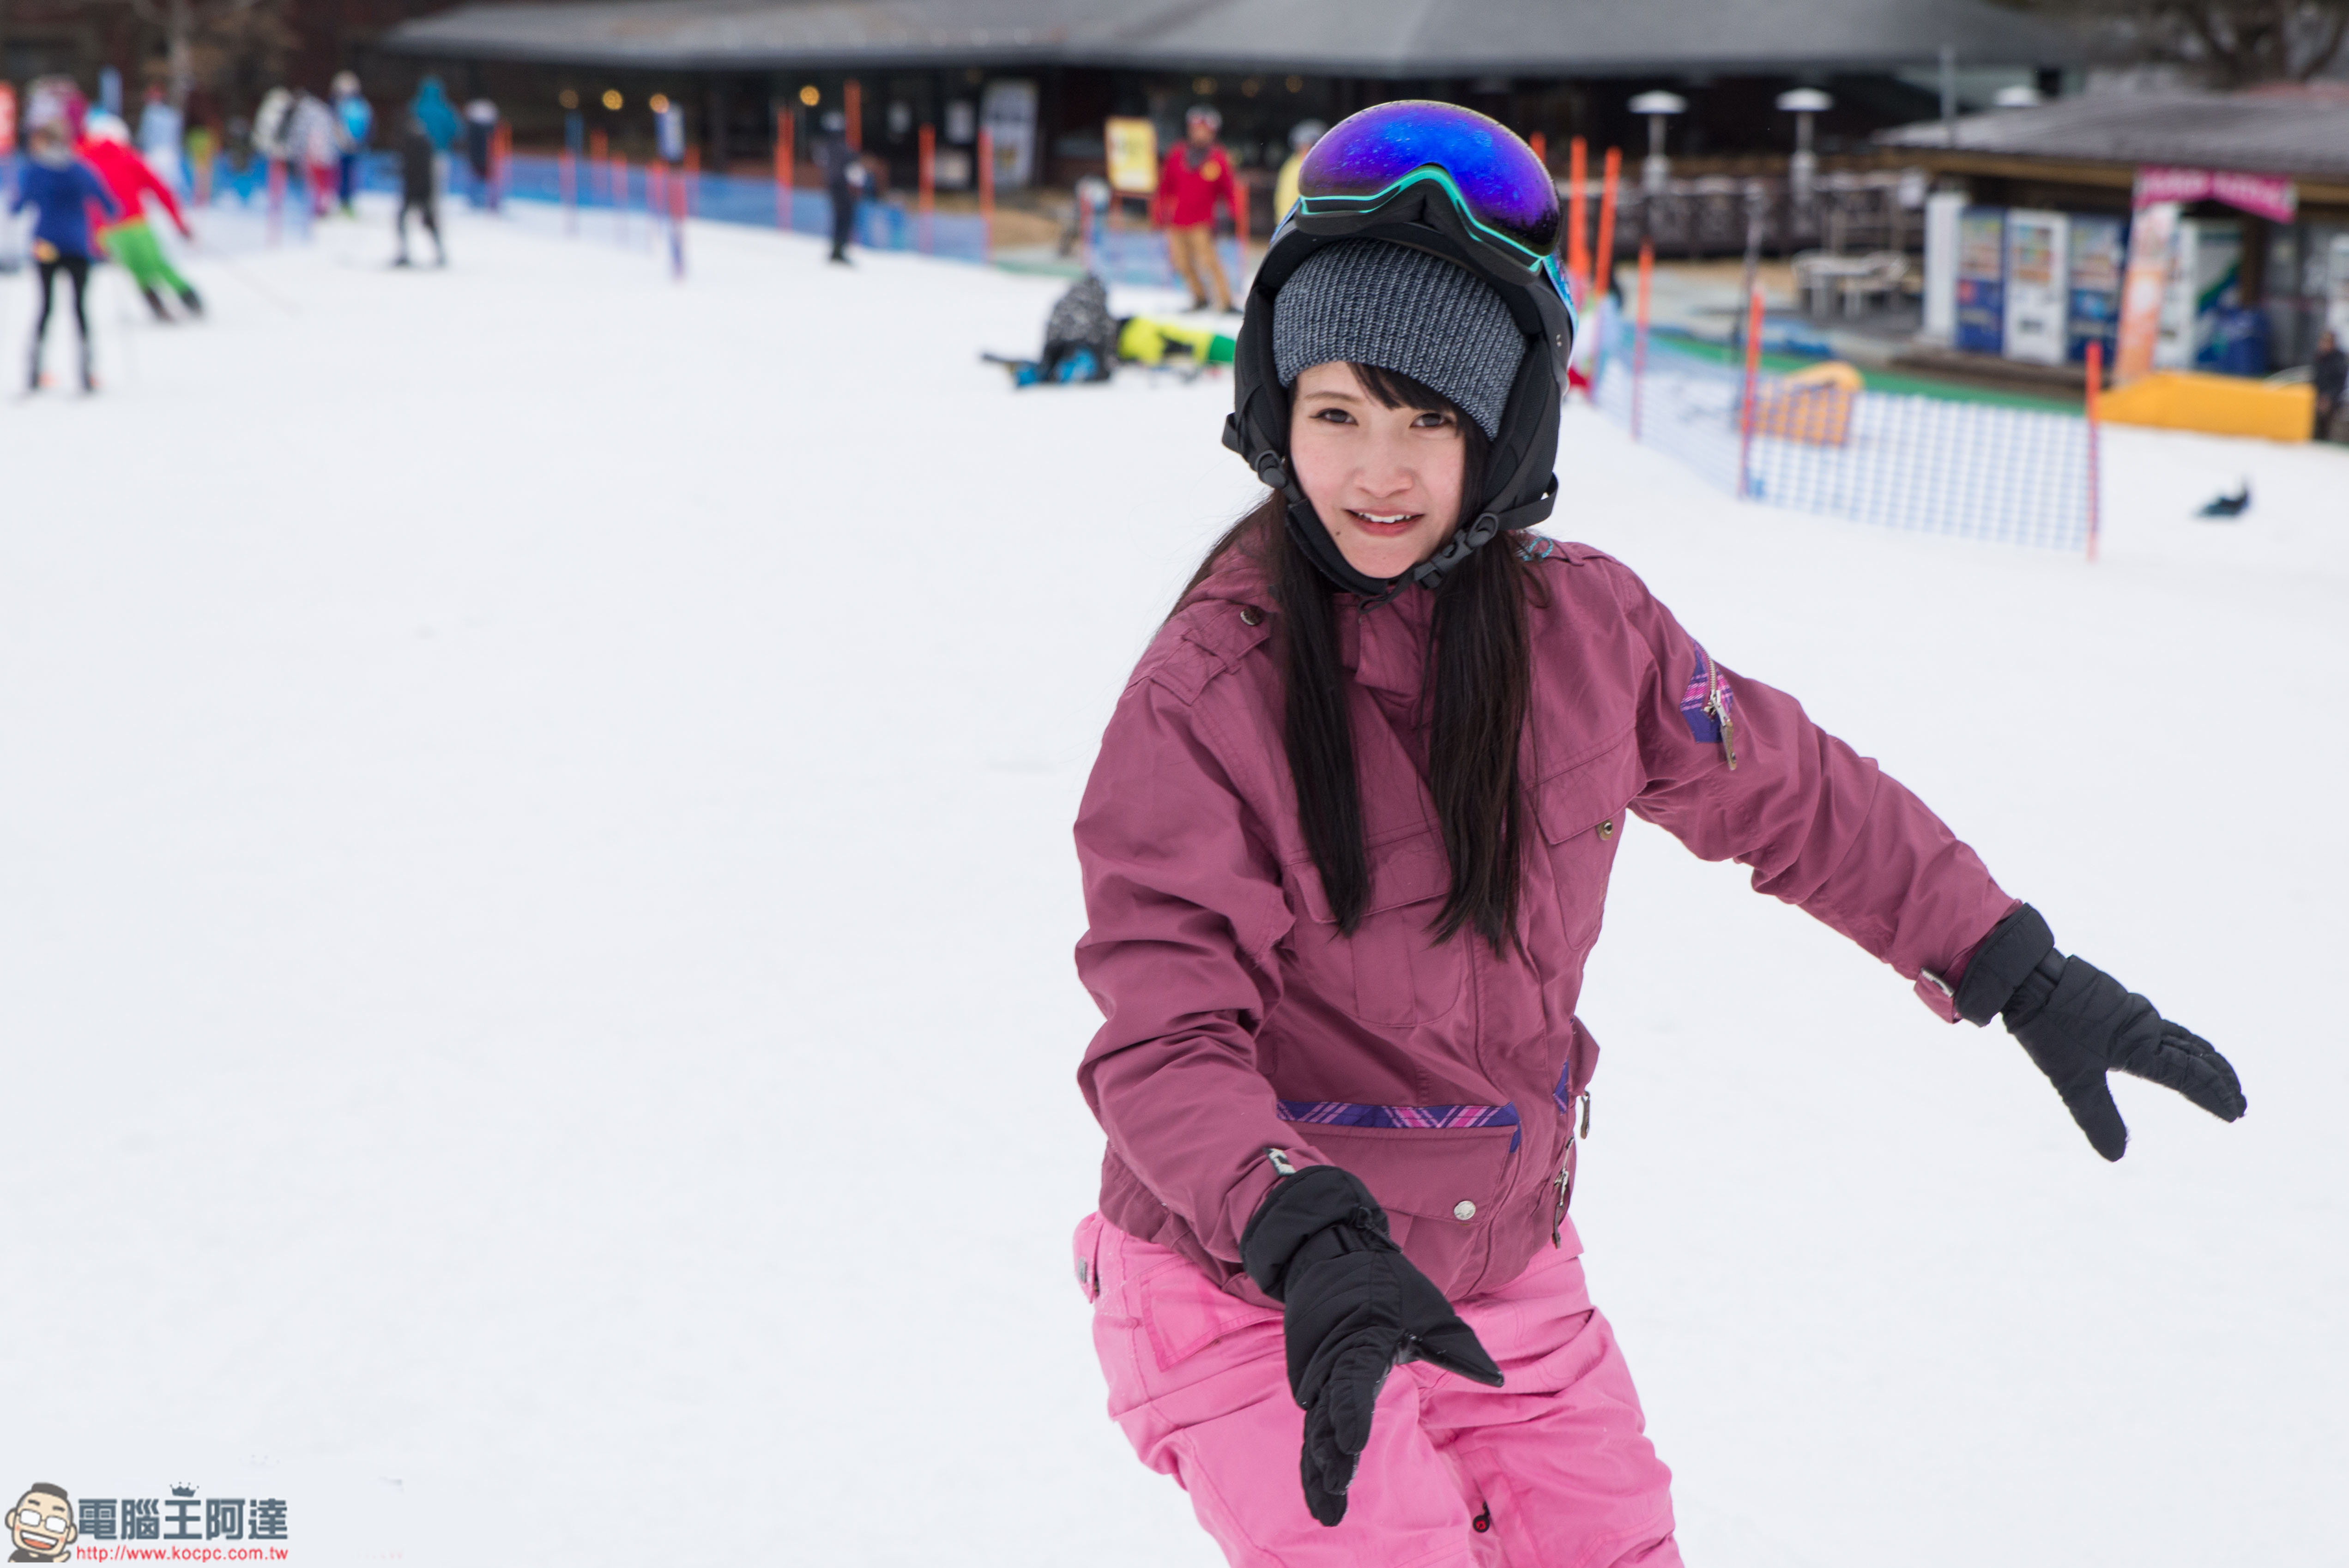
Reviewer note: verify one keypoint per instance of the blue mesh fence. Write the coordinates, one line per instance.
(2012, 476)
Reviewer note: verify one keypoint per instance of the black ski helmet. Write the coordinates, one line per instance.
(1446, 181)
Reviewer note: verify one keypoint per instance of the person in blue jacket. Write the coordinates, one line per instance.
(357, 118)
(60, 187)
(435, 114)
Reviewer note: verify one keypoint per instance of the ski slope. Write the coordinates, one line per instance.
(535, 911)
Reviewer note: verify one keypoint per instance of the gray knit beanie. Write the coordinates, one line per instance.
(1373, 303)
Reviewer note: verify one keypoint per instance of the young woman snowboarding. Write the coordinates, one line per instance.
(1345, 852)
(63, 189)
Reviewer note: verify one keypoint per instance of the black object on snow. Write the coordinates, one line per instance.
(2229, 505)
(1354, 1309)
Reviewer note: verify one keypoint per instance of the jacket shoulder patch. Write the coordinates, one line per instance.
(1706, 700)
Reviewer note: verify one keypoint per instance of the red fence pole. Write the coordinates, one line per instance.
(1639, 331)
(1578, 231)
(987, 193)
(1745, 407)
(782, 171)
(503, 179)
(1606, 257)
(2096, 414)
(929, 180)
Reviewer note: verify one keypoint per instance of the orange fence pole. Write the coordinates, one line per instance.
(2094, 413)
(1577, 231)
(929, 180)
(1745, 407)
(1606, 258)
(787, 169)
(851, 95)
(986, 191)
(1639, 331)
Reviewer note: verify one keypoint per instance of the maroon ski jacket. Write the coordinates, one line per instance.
(1237, 1018)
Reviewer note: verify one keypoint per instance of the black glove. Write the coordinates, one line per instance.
(1355, 1309)
(2078, 1023)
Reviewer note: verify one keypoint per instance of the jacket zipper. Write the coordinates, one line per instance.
(1564, 1182)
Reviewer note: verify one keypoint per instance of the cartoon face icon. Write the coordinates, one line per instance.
(42, 1526)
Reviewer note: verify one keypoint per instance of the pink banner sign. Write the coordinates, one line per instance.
(2265, 195)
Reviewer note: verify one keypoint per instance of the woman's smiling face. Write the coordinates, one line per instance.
(1384, 482)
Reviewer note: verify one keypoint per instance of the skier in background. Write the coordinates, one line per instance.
(1197, 173)
(161, 128)
(432, 110)
(357, 118)
(1301, 138)
(2330, 372)
(1345, 851)
(844, 181)
(314, 140)
(62, 189)
(481, 136)
(130, 238)
(418, 188)
(267, 136)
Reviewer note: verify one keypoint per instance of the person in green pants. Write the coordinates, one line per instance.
(106, 148)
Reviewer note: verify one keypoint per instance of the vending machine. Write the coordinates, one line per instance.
(1982, 280)
(2037, 284)
(2099, 250)
(2206, 266)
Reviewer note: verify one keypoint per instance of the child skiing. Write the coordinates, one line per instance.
(62, 188)
(106, 148)
(1345, 853)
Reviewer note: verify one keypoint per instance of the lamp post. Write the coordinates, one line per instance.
(1658, 106)
(1802, 172)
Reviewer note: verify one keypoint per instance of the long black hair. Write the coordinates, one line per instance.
(1479, 669)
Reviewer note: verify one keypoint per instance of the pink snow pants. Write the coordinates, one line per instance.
(1551, 1470)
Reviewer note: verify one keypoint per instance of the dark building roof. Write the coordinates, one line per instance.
(1383, 38)
(2302, 133)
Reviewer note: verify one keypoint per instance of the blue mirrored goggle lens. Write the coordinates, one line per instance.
(1501, 183)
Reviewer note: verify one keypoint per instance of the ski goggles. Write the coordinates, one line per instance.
(1443, 166)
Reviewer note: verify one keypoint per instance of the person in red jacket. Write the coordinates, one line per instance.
(106, 148)
(1196, 173)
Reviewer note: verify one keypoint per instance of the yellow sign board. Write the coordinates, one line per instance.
(1133, 156)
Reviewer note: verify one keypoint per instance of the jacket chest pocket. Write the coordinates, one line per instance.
(1399, 974)
(1582, 809)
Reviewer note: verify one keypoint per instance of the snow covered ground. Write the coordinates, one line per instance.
(535, 904)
